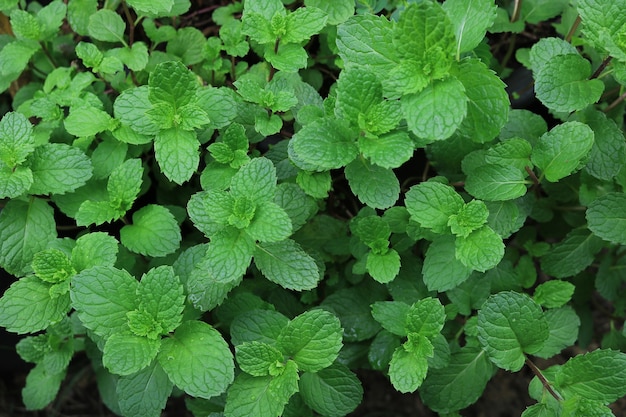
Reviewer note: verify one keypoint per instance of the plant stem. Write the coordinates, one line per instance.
(615, 103)
(573, 29)
(546, 384)
(131, 23)
(46, 52)
(601, 68)
(516, 11)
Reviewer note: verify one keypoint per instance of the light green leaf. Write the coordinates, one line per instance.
(107, 156)
(25, 25)
(188, 45)
(25, 229)
(16, 139)
(41, 387)
(125, 354)
(488, 103)
(425, 317)
(312, 340)
(97, 212)
(78, 13)
(481, 250)
(103, 295)
(552, 294)
(437, 111)
(298, 206)
(144, 393)
(154, 232)
(171, 82)
(176, 151)
(375, 186)
(603, 25)
(28, 307)
(15, 182)
(162, 297)
(92, 249)
(134, 57)
(505, 217)
(334, 391)
(563, 324)
(392, 315)
(599, 375)
(407, 370)
(256, 180)
(325, 144)
(152, 8)
(388, 151)
(125, 183)
(514, 152)
(572, 255)
(106, 25)
(559, 152)
(14, 57)
(442, 271)
(87, 121)
(315, 184)
(459, 384)
(53, 266)
(229, 255)
(470, 19)
(287, 264)
(471, 217)
(257, 325)
(51, 18)
(258, 358)
(58, 168)
(261, 396)
(432, 203)
(131, 108)
(562, 84)
(197, 359)
(204, 292)
(290, 57)
(547, 48)
(383, 267)
(357, 90)
(606, 217)
(338, 11)
(303, 23)
(496, 182)
(509, 325)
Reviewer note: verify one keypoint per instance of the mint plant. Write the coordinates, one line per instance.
(246, 205)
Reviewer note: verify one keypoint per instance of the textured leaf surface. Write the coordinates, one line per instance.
(41, 387)
(572, 255)
(552, 294)
(106, 25)
(171, 82)
(407, 370)
(425, 317)
(259, 396)
(197, 360)
(287, 264)
(257, 325)
(606, 217)
(470, 19)
(177, 153)
(392, 315)
(481, 250)
(442, 271)
(383, 267)
(92, 249)
(87, 121)
(563, 324)
(256, 181)
(375, 186)
(145, 392)
(432, 203)
(125, 354)
(16, 139)
(162, 297)
(257, 358)
(509, 325)
(229, 255)
(154, 232)
(325, 144)
(334, 391)
(312, 340)
(25, 229)
(131, 108)
(58, 168)
(496, 182)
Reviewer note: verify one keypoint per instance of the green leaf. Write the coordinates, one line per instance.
(15, 182)
(125, 354)
(134, 57)
(16, 139)
(103, 296)
(603, 25)
(256, 180)
(25, 229)
(481, 250)
(28, 307)
(144, 393)
(513, 152)
(392, 315)
(383, 267)
(388, 151)
(599, 376)
(606, 217)
(204, 292)
(559, 152)
(53, 266)
(177, 153)
(425, 317)
(325, 144)
(432, 203)
(564, 325)
(375, 186)
(562, 84)
(162, 297)
(87, 121)
(315, 184)
(125, 183)
(257, 325)
(334, 391)
(171, 82)
(337, 11)
(352, 306)
(41, 387)
(25, 25)
(154, 232)
(312, 340)
(357, 91)
(437, 111)
(407, 370)
(131, 108)
(488, 103)
(552, 294)
(78, 13)
(152, 8)
(471, 217)
(442, 271)
(470, 19)
(572, 255)
(58, 168)
(496, 182)
(197, 360)
(51, 18)
(106, 25)
(509, 325)
(287, 264)
(459, 384)
(298, 206)
(14, 57)
(229, 255)
(259, 359)
(188, 45)
(303, 23)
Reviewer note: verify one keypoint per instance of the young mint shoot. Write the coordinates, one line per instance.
(253, 207)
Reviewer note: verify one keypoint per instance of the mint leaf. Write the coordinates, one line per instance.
(470, 19)
(53, 266)
(337, 11)
(432, 203)
(562, 84)
(103, 296)
(388, 151)
(106, 25)
(572, 255)
(325, 144)
(256, 181)
(442, 270)
(471, 217)
(16, 139)
(496, 182)
(407, 370)
(303, 23)
(509, 325)
(197, 360)
(552, 294)
(514, 152)
(41, 387)
(177, 153)
(481, 250)
(564, 324)
(131, 108)
(559, 152)
(25, 229)
(125, 354)
(606, 217)
(87, 121)
(145, 392)
(188, 44)
(29, 307)
(171, 82)
(287, 264)
(154, 232)
(460, 383)
(125, 183)
(229, 255)
(352, 306)
(162, 298)
(392, 315)
(312, 340)
(78, 13)
(375, 186)
(425, 317)
(603, 25)
(437, 111)
(153, 8)
(258, 359)
(257, 325)
(383, 267)
(58, 168)
(597, 375)
(334, 391)
(15, 182)
(353, 102)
